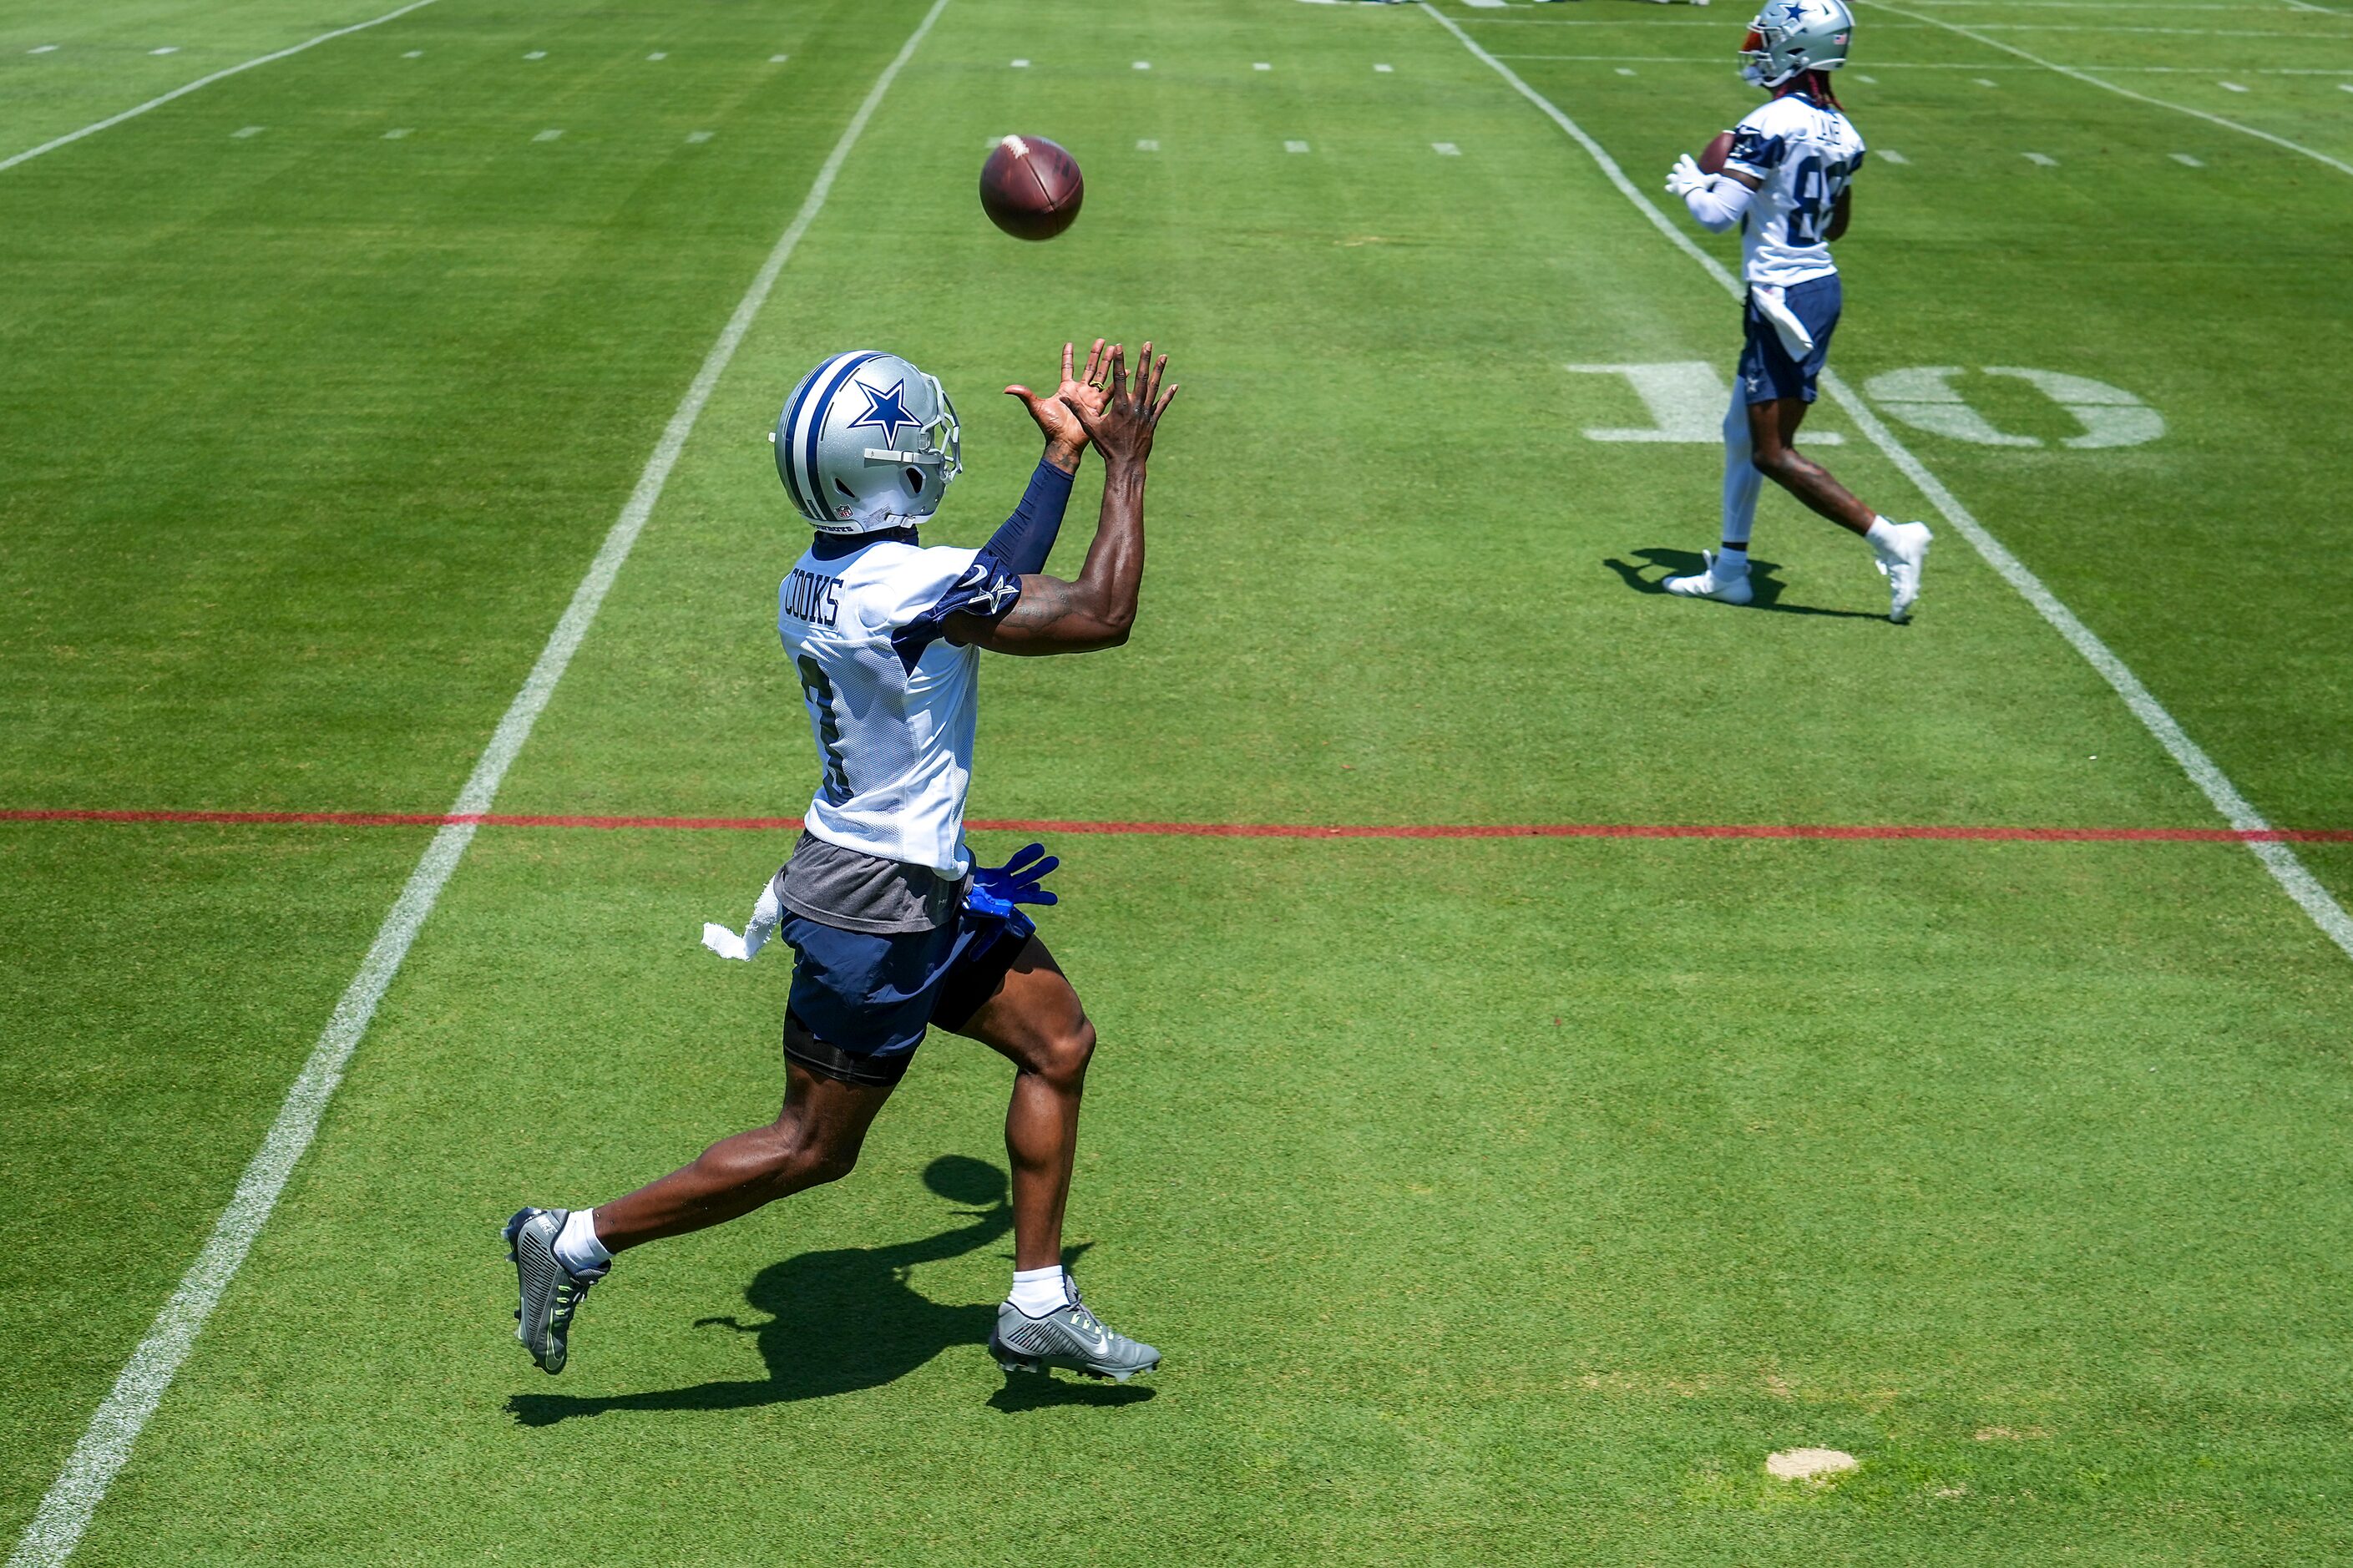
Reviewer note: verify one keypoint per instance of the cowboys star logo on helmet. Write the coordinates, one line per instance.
(867, 442)
(885, 411)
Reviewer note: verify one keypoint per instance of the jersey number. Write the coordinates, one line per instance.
(819, 691)
(1815, 188)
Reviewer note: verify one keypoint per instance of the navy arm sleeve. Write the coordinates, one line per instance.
(1027, 538)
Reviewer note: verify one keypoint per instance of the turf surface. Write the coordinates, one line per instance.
(1494, 1201)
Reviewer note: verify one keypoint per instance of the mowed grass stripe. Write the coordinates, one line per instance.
(87, 1134)
(1869, 1154)
(1975, 35)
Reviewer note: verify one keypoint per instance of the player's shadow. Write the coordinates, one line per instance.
(1762, 582)
(846, 1320)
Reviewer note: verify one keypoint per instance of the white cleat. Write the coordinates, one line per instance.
(1708, 585)
(1900, 561)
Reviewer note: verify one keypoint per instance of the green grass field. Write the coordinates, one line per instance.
(1495, 1200)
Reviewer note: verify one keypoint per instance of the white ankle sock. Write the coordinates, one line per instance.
(1037, 1291)
(577, 1247)
(1880, 534)
(1730, 563)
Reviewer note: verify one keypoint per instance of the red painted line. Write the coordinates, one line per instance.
(1248, 829)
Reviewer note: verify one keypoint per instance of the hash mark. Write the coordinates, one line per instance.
(693, 137)
(1261, 66)
(248, 131)
(1385, 70)
(414, 54)
(1987, 82)
(2041, 161)
(1294, 146)
(2187, 162)
(1625, 70)
(42, 49)
(1446, 149)
(166, 49)
(1872, 79)
(1893, 157)
(2232, 87)
(537, 55)
(658, 55)
(1147, 145)
(1021, 65)
(395, 134)
(547, 135)
(1142, 65)
(778, 59)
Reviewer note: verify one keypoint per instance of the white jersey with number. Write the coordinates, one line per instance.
(1801, 156)
(892, 704)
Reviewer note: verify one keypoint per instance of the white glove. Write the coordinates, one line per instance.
(765, 913)
(1716, 202)
(1774, 307)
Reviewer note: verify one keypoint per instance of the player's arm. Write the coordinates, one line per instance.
(1096, 612)
(1842, 209)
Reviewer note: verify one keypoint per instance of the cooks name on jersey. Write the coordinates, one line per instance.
(812, 598)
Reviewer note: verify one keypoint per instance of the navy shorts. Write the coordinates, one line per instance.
(1767, 372)
(860, 1002)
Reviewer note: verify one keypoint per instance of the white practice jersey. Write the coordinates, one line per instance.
(892, 704)
(1801, 155)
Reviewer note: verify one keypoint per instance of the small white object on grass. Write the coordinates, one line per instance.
(1809, 1464)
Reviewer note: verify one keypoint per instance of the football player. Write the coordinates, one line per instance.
(893, 928)
(1785, 183)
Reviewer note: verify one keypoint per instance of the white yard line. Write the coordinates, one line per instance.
(65, 1512)
(134, 113)
(2319, 157)
(2278, 858)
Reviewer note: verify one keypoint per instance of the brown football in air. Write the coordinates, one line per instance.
(1030, 188)
(1711, 157)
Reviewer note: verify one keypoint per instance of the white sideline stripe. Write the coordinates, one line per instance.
(2336, 164)
(2278, 858)
(225, 71)
(66, 1510)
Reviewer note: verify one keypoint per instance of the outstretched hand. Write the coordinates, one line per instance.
(1057, 413)
(1122, 427)
(996, 889)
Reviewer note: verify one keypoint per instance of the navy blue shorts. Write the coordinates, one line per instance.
(860, 1002)
(1767, 372)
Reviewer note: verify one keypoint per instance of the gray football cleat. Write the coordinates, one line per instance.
(551, 1292)
(1070, 1337)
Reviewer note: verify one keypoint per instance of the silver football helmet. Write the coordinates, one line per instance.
(867, 441)
(1793, 35)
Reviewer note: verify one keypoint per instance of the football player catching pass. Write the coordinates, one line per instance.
(893, 928)
(1785, 183)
